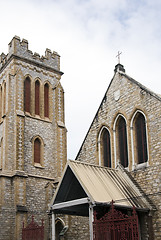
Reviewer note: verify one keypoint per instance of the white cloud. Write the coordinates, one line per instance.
(87, 34)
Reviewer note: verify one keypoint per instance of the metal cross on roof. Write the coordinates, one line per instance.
(118, 56)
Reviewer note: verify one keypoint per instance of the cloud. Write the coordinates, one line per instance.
(88, 34)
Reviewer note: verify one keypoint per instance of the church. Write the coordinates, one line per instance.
(32, 137)
(126, 130)
(118, 167)
(110, 191)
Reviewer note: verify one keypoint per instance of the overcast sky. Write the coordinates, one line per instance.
(88, 34)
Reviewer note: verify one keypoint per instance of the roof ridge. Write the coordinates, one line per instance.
(142, 86)
(91, 164)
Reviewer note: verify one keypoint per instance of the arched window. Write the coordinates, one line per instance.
(37, 97)
(141, 138)
(106, 148)
(4, 99)
(37, 151)
(122, 142)
(1, 152)
(27, 95)
(0, 102)
(46, 100)
(59, 225)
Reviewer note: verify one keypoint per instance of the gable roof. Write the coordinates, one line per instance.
(83, 184)
(119, 69)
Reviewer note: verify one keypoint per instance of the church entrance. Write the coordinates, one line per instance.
(115, 225)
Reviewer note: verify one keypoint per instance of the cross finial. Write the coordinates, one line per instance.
(118, 56)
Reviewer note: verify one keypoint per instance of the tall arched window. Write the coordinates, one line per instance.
(1, 152)
(37, 97)
(122, 142)
(37, 150)
(141, 138)
(4, 99)
(106, 148)
(27, 95)
(0, 102)
(46, 100)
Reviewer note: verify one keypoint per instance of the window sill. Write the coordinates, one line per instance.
(38, 165)
(37, 117)
(140, 166)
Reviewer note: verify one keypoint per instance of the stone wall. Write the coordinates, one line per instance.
(125, 97)
(77, 227)
(26, 187)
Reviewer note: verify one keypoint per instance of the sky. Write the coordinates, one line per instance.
(88, 35)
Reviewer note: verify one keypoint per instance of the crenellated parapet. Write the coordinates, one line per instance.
(20, 49)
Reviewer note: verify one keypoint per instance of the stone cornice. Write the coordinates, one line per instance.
(11, 174)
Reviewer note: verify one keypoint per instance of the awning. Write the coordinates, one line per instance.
(85, 184)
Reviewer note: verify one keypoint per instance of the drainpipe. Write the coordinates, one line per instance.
(53, 226)
(91, 221)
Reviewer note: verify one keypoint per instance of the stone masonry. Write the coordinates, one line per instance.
(26, 188)
(125, 97)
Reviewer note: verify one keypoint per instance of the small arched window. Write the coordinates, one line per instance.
(141, 138)
(46, 100)
(27, 95)
(59, 225)
(37, 151)
(122, 142)
(106, 148)
(37, 97)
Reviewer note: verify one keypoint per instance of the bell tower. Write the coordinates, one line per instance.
(32, 135)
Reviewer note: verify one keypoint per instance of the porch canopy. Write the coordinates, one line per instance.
(85, 185)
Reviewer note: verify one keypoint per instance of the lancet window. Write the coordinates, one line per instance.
(37, 97)
(27, 95)
(122, 141)
(37, 151)
(4, 99)
(0, 102)
(106, 151)
(140, 138)
(46, 100)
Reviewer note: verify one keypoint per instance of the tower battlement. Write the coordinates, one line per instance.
(20, 49)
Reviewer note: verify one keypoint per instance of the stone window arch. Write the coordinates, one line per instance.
(1, 152)
(4, 98)
(0, 102)
(37, 97)
(104, 147)
(59, 226)
(46, 100)
(38, 151)
(139, 138)
(27, 95)
(120, 139)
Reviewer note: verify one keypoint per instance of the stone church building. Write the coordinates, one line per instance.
(122, 144)
(118, 166)
(32, 136)
(126, 130)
